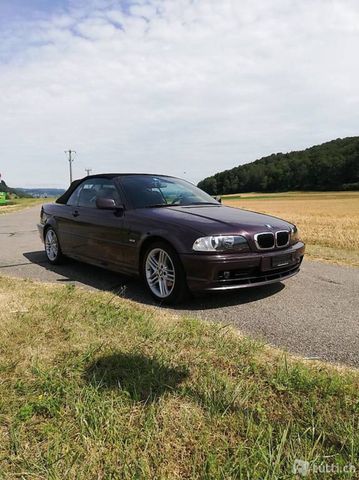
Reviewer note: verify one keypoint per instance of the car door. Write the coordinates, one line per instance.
(95, 235)
(71, 240)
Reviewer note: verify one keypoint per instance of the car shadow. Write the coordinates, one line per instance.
(141, 377)
(131, 288)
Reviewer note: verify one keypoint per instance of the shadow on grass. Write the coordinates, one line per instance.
(143, 378)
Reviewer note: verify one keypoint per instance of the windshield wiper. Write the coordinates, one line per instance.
(159, 205)
(203, 203)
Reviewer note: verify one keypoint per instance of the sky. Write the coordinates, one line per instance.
(180, 87)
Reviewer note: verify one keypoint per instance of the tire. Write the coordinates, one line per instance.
(53, 251)
(163, 274)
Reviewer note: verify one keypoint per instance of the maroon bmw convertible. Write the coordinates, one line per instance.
(170, 233)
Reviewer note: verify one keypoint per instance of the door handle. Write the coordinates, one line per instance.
(75, 213)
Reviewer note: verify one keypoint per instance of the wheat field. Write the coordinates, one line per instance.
(328, 221)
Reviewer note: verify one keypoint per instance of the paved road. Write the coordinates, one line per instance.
(315, 314)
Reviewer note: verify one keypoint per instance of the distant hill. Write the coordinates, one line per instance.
(331, 166)
(40, 192)
(6, 189)
(31, 192)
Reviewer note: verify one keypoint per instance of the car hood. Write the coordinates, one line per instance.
(211, 220)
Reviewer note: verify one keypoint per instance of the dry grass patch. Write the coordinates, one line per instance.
(21, 203)
(328, 221)
(95, 387)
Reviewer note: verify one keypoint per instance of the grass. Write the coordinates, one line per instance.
(20, 203)
(328, 221)
(96, 387)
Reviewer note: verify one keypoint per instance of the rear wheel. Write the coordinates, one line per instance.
(163, 274)
(52, 247)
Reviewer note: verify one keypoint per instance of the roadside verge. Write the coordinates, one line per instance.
(96, 386)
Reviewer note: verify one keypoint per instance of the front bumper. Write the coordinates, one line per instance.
(232, 271)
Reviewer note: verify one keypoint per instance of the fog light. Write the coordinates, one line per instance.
(227, 275)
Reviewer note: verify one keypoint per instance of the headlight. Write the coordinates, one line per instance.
(220, 243)
(294, 234)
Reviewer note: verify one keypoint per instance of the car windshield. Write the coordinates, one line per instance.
(147, 191)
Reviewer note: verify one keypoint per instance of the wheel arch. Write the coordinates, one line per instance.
(146, 243)
(179, 290)
(47, 226)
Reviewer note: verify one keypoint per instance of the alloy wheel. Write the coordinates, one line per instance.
(160, 273)
(51, 245)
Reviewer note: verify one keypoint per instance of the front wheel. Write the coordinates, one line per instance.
(52, 247)
(163, 274)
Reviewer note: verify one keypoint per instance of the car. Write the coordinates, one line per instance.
(173, 235)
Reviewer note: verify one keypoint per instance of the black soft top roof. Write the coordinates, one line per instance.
(64, 198)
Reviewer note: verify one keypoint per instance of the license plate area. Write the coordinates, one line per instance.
(282, 260)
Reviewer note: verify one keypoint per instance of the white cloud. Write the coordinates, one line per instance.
(174, 85)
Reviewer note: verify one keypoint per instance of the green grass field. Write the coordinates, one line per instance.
(96, 387)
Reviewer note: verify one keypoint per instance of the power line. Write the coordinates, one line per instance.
(70, 152)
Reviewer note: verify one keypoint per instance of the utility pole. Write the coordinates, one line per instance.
(70, 152)
(88, 171)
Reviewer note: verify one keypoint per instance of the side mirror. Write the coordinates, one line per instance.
(107, 204)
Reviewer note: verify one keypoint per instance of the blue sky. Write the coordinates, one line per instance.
(193, 86)
(13, 10)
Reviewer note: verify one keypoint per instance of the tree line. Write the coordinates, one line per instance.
(331, 166)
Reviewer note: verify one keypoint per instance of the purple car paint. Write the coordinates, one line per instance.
(170, 233)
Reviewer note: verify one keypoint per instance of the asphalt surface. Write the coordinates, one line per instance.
(315, 314)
